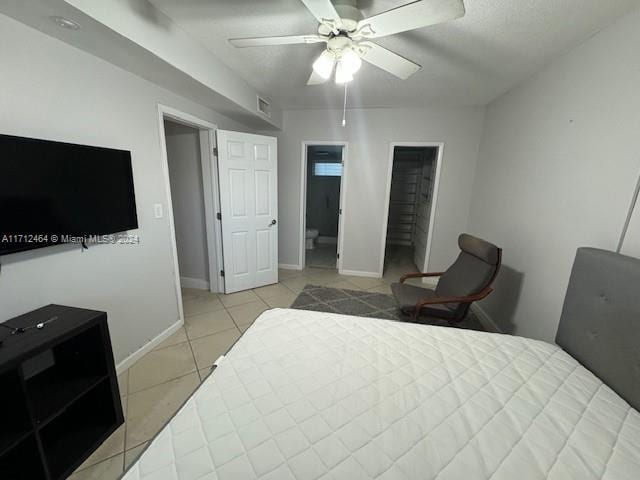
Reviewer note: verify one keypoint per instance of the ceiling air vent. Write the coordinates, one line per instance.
(264, 107)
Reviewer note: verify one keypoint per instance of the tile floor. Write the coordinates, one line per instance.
(399, 258)
(323, 255)
(158, 384)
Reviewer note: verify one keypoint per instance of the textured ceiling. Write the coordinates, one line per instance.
(469, 61)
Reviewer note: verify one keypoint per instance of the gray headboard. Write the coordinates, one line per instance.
(600, 323)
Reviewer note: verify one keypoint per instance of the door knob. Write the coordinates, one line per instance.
(273, 222)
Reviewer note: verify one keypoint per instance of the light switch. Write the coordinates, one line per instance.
(157, 210)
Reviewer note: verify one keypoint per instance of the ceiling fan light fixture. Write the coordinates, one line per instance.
(351, 61)
(345, 31)
(343, 74)
(323, 65)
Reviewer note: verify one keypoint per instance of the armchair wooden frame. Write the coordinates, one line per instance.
(445, 300)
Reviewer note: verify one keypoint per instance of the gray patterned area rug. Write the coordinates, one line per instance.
(365, 304)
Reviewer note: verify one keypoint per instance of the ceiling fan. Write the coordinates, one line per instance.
(347, 35)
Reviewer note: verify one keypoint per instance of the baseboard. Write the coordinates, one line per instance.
(286, 266)
(197, 283)
(147, 347)
(358, 273)
(485, 320)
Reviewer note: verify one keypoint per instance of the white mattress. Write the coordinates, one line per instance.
(308, 395)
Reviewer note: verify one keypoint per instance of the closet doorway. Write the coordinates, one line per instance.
(322, 204)
(413, 180)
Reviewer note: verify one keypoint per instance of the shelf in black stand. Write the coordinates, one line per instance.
(56, 400)
(72, 368)
(22, 461)
(16, 424)
(88, 419)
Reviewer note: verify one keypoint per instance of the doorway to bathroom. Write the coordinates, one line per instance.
(322, 204)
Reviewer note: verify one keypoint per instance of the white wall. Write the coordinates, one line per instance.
(557, 168)
(369, 133)
(187, 198)
(53, 91)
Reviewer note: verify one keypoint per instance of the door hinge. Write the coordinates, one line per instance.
(215, 151)
(219, 216)
(222, 273)
(338, 256)
(340, 212)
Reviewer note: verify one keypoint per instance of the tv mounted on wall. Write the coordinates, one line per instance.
(51, 191)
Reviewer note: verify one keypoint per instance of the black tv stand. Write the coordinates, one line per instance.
(60, 397)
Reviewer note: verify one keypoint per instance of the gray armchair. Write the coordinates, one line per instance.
(468, 280)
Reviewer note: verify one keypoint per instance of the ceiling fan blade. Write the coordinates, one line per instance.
(387, 60)
(409, 17)
(316, 79)
(266, 41)
(325, 12)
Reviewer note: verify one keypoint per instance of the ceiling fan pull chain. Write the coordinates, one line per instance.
(344, 107)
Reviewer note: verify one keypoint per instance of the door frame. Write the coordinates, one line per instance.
(303, 200)
(434, 203)
(211, 199)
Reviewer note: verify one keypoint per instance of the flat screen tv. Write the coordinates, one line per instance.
(51, 191)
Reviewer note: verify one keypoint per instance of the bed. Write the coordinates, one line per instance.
(312, 395)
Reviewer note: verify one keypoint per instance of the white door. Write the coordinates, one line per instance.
(248, 168)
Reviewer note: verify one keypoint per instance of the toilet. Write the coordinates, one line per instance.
(310, 238)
